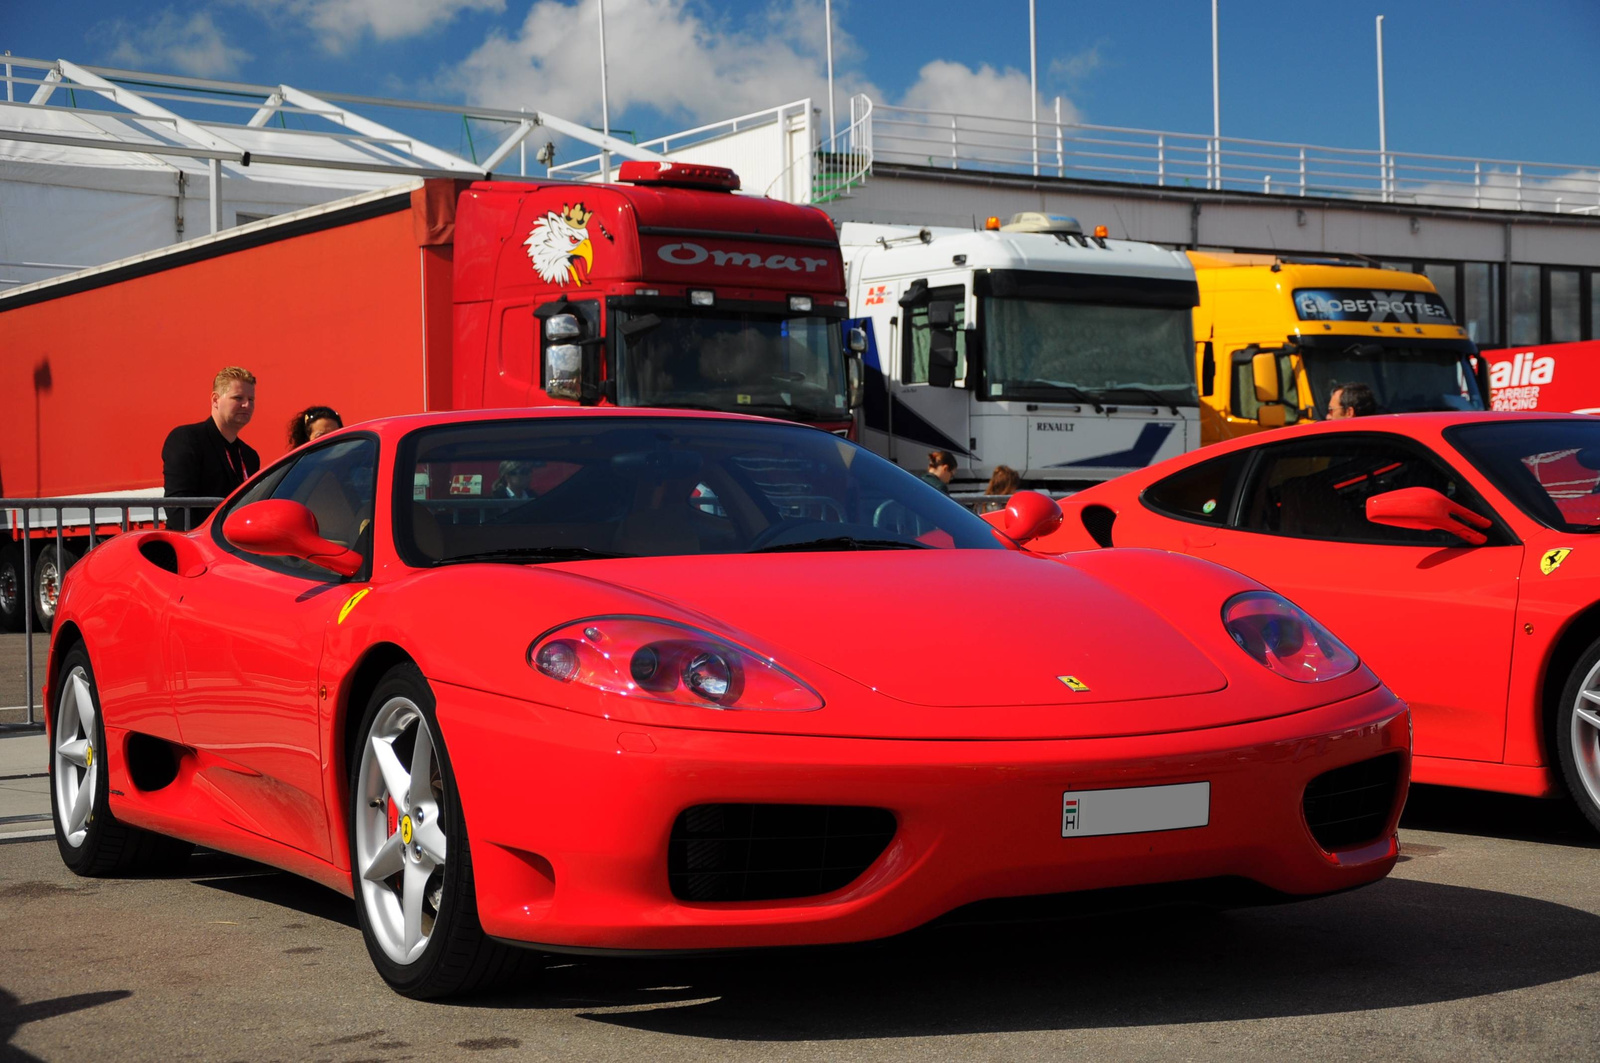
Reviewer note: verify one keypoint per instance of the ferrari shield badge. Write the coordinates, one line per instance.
(1073, 683)
(1552, 560)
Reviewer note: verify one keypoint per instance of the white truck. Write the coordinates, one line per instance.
(1068, 357)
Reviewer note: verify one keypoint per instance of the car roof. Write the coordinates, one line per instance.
(1406, 424)
(402, 423)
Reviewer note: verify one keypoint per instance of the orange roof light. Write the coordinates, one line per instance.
(1101, 232)
(992, 224)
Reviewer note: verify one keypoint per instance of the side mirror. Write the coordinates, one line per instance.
(1030, 515)
(562, 327)
(855, 385)
(279, 527)
(1208, 369)
(572, 371)
(857, 340)
(1424, 509)
(1264, 366)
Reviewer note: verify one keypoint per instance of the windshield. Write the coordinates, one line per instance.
(1033, 345)
(738, 362)
(1404, 379)
(562, 489)
(1550, 469)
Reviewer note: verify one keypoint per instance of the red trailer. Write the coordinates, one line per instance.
(666, 289)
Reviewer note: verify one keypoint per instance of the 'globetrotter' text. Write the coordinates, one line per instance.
(690, 254)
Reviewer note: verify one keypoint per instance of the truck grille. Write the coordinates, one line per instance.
(770, 852)
(1349, 806)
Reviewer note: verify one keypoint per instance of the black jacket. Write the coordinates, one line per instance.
(197, 462)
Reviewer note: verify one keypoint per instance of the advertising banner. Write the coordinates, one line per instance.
(1365, 304)
(1558, 377)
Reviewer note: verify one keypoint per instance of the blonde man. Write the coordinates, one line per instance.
(208, 459)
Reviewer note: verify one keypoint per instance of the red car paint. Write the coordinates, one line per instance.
(965, 731)
(1466, 634)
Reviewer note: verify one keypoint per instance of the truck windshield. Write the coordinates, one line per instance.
(1034, 346)
(1403, 378)
(739, 362)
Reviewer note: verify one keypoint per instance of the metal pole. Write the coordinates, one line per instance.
(1216, 104)
(522, 153)
(827, 14)
(1033, 83)
(27, 611)
(1383, 132)
(10, 95)
(216, 195)
(605, 103)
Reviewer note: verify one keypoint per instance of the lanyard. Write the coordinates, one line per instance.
(237, 470)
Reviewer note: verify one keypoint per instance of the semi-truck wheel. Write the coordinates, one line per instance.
(49, 565)
(13, 596)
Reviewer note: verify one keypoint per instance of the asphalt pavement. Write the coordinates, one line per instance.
(1483, 945)
(13, 689)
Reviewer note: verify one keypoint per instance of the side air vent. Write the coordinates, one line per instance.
(1097, 521)
(772, 852)
(1349, 806)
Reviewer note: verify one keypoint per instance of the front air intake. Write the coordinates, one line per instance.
(1349, 807)
(772, 852)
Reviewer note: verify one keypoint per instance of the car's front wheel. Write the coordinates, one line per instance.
(92, 841)
(408, 851)
(1578, 734)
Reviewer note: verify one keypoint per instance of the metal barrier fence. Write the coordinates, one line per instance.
(31, 525)
(1056, 146)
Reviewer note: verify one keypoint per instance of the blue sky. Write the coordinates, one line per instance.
(1481, 78)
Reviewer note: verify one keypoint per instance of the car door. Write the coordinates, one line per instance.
(1432, 617)
(248, 636)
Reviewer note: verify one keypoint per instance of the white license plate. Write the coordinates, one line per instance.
(1135, 810)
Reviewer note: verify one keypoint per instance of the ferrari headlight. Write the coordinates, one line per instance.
(1284, 638)
(659, 660)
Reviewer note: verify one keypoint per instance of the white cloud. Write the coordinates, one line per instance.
(943, 85)
(671, 56)
(169, 41)
(1074, 68)
(338, 24)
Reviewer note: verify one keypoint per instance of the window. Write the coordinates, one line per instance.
(337, 483)
(1524, 305)
(917, 336)
(1243, 400)
(1566, 311)
(1593, 331)
(1444, 279)
(1202, 492)
(1479, 300)
(1318, 489)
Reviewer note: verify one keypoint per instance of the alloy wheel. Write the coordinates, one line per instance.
(74, 757)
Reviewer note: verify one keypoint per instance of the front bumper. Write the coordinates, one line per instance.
(569, 817)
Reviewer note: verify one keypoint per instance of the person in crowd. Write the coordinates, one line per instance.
(208, 459)
(1002, 485)
(941, 468)
(1351, 400)
(311, 422)
(513, 480)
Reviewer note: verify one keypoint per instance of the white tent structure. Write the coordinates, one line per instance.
(98, 164)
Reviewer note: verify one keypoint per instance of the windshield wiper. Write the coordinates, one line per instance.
(842, 542)
(1149, 393)
(1072, 391)
(524, 554)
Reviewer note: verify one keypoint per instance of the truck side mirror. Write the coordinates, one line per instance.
(559, 327)
(855, 386)
(570, 363)
(941, 343)
(857, 341)
(1208, 370)
(1264, 366)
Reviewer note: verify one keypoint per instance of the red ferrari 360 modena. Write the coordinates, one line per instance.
(1453, 551)
(649, 681)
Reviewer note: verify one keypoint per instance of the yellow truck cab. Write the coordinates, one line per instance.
(1275, 335)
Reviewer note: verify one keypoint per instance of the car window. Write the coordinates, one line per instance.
(337, 482)
(628, 487)
(1203, 492)
(1550, 469)
(1318, 488)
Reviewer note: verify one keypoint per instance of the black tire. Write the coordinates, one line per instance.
(458, 957)
(104, 846)
(1577, 737)
(13, 598)
(50, 564)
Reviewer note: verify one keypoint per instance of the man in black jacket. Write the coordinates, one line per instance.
(209, 459)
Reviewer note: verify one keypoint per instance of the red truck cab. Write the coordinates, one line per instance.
(665, 290)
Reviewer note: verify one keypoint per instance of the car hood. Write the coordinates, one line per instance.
(940, 628)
